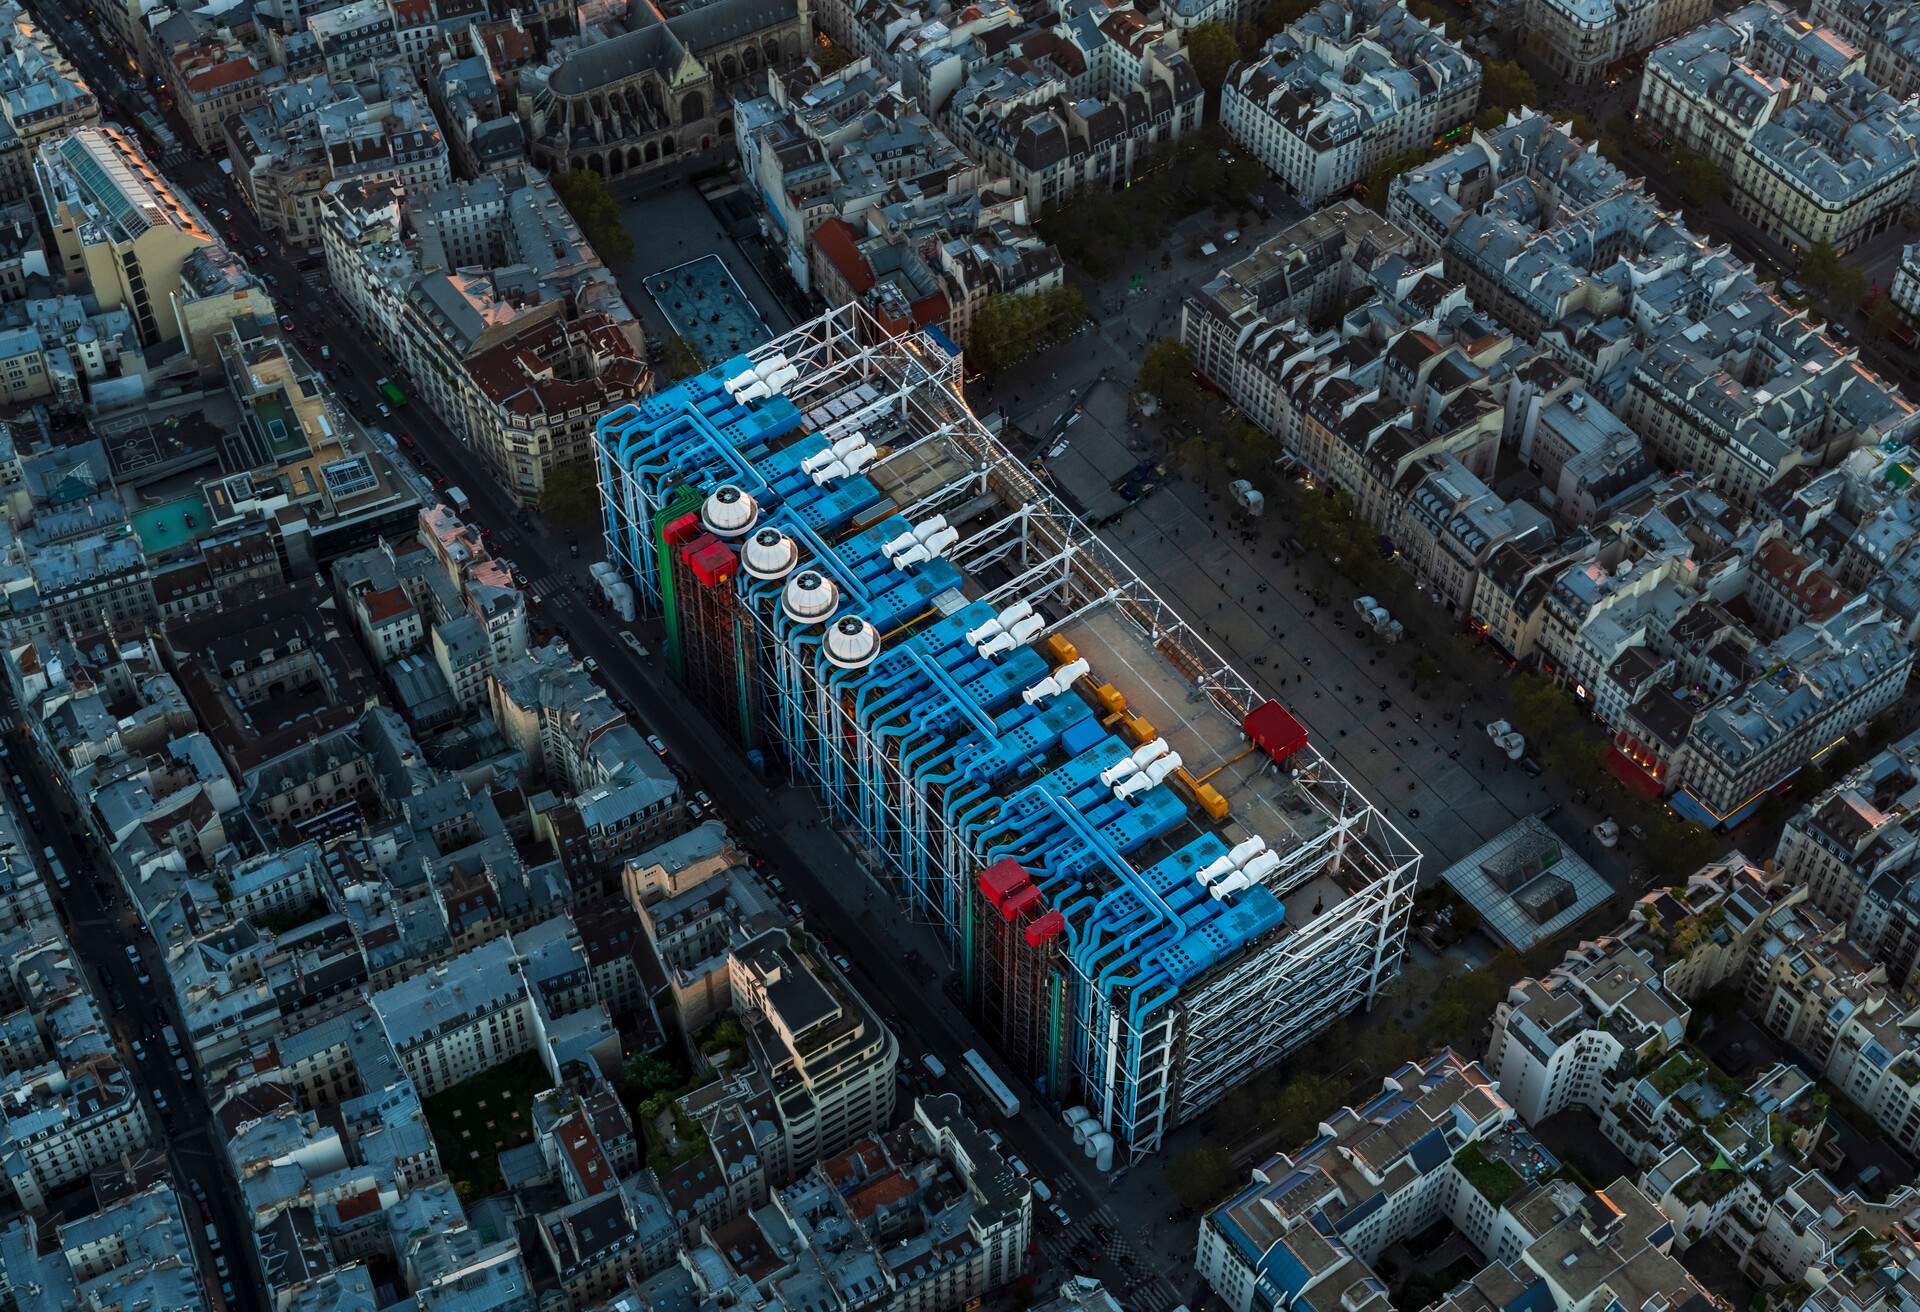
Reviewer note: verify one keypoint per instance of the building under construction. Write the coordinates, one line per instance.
(1151, 883)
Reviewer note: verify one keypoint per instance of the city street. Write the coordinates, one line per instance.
(100, 926)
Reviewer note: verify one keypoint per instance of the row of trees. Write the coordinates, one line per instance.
(1573, 747)
(1008, 328)
(1098, 229)
(594, 208)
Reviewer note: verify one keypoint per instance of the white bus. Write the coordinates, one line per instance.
(990, 1084)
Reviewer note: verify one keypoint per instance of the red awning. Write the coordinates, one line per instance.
(1636, 779)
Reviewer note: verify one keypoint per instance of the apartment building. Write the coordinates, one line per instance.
(824, 1051)
(1581, 40)
(1025, 121)
(1887, 30)
(1837, 166)
(459, 1018)
(121, 232)
(41, 96)
(132, 1250)
(1347, 86)
(1316, 1218)
(1573, 1035)
(214, 80)
(325, 128)
(1439, 1144)
(1856, 849)
(503, 318)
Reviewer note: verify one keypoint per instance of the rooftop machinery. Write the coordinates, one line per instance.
(861, 584)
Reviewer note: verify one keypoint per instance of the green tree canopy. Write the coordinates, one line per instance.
(594, 208)
(646, 1074)
(1682, 846)
(1298, 1107)
(572, 494)
(1699, 179)
(1542, 708)
(1213, 48)
(1008, 328)
(1380, 181)
(1506, 85)
(1822, 270)
(1166, 364)
(1201, 1176)
(678, 360)
(1884, 317)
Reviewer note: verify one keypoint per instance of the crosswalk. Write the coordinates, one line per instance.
(207, 191)
(1098, 1239)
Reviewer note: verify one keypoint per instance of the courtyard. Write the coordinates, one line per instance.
(478, 1119)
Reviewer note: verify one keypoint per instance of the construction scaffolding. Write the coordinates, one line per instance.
(1150, 881)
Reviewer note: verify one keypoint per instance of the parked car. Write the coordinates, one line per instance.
(659, 747)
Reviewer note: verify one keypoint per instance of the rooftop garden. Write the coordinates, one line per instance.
(1675, 1073)
(1710, 1185)
(1496, 1181)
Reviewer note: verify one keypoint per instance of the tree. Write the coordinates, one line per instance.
(1276, 17)
(1582, 127)
(594, 208)
(1699, 179)
(1380, 181)
(1490, 118)
(572, 494)
(1884, 317)
(1429, 12)
(1212, 48)
(1009, 327)
(1821, 269)
(1297, 1108)
(1201, 1175)
(1575, 756)
(1506, 85)
(1166, 365)
(1542, 708)
(1383, 1047)
(1248, 447)
(677, 360)
(1683, 846)
(1614, 138)
(645, 1075)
